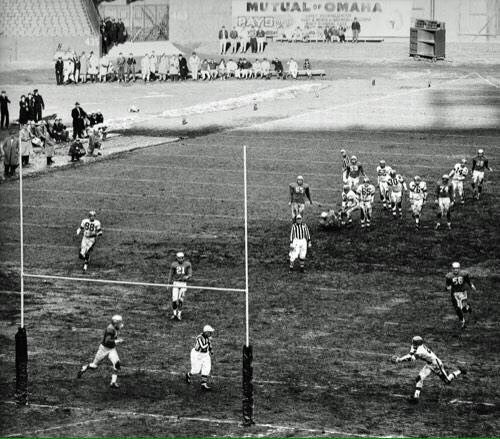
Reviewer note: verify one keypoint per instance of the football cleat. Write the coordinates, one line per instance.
(114, 385)
(187, 378)
(85, 267)
(437, 226)
(205, 387)
(462, 370)
(80, 372)
(173, 316)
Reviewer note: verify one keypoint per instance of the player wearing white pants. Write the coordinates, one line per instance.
(383, 172)
(419, 351)
(350, 203)
(180, 272)
(201, 361)
(107, 349)
(300, 241)
(418, 195)
(366, 193)
(91, 229)
(457, 175)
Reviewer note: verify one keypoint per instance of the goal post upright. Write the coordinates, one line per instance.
(21, 337)
(247, 377)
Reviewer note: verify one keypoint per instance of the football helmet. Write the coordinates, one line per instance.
(342, 151)
(464, 161)
(455, 267)
(92, 214)
(445, 177)
(179, 256)
(354, 159)
(382, 163)
(300, 179)
(324, 215)
(480, 152)
(117, 321)
(366, 180)
(417, 340)
(417, 179)
(392, 173)
(346, 188)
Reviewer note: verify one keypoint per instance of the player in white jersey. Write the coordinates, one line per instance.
(350, 204)
(383, 174)
(91, 228)
(418, 196)
(419, 351)
(397, 186)
(366, 193)
(457, 175)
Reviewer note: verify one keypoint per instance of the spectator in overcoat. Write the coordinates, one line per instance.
(59, 71)
(183, 67)
(79, 116)
(24, 111)
(10, 148)
(356, 29)
(26, 148)
(31, 106)
(4, 110)
(38, 104)
(131, 62)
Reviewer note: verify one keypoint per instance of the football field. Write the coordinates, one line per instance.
(322, 339)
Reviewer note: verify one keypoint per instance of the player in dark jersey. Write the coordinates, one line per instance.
(108, 349)
(444, 200)
(456, 282)
(479, 165)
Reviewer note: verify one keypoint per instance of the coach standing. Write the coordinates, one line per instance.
(300, 241)
(4, 110)
(38, 105)
(78, 116)
(356, 29)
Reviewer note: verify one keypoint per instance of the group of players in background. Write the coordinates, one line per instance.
(358, 192)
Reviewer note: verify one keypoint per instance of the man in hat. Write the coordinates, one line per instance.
(38, 106)
(4, 110)
(59, 71)
(201, 361)
(78, 116)
(10, 149)
(76, 150)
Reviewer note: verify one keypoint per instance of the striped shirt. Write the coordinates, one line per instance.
(300, 231)
(345, 163)
(203, 344)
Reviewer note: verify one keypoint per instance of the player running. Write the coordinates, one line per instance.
(201, 361)
(479, 164)
(300, 241)
(444, 195)
(298, 193)
(366, 193)
(419, 351)
(350, 203)
(108, 349)
(180, 272)
(345, 165)
(91, 228)
(354, 172)
(418, 196)
(456, 282)
(457, 175)
(383, 173)
(397, 187)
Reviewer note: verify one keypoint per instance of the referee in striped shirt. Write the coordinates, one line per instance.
(300, 241)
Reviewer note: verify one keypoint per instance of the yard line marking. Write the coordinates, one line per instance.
(460, 401)
(122, 282)
(60, 427)
(179, 418)
(198, 215)
(487, 80)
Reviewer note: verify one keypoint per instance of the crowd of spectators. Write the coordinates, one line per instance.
(241, 40)
(162, 67)
(113, 32)
(327, 34)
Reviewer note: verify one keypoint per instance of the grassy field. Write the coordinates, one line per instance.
(322, 339)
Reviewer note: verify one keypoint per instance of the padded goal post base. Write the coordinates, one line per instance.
(21, 367)
(247, 386)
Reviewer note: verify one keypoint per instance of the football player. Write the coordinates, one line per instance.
(366, 193)
(397, 186)
(456, 282)
(354, 172)
(457, 175)
(91, 228)
(345, 165)
(201, 361)
(180, 272)
(108, 349)
(350, 204)
(329, 220)
(383, 173)
(298, 193)
(479, 164)
(419, 351)
(418, 196)
(300, 241)
(444, 195)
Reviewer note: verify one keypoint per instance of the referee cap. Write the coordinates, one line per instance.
(208, 328)
(299, 216)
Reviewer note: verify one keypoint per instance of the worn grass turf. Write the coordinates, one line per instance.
(321, 339)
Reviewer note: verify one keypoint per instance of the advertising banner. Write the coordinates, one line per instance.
(378, 19)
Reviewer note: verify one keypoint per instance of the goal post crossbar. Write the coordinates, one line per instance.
(139, 284)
